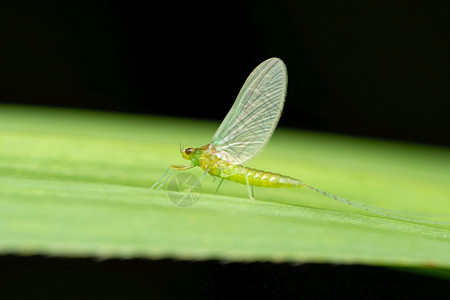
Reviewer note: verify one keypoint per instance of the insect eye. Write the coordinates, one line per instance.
(188, 150)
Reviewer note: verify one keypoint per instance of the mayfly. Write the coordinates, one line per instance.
(245, 131)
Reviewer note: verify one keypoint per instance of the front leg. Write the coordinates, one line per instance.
(180, 168)
(174, 168)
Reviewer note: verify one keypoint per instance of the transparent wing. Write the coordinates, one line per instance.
(254, 115)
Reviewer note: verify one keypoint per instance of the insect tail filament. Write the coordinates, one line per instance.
(374, 209)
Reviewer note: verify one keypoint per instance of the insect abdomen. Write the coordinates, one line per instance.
(268, 179)
(238, 173)
(262, 178)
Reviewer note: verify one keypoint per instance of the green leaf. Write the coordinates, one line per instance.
(76, 183)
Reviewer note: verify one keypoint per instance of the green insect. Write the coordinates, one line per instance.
(245, 131)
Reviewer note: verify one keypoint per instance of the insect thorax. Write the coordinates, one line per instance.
(216, 166)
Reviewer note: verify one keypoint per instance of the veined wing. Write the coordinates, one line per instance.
(254, 115)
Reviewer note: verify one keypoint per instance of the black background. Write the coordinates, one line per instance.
(370, 68)
(58, 278)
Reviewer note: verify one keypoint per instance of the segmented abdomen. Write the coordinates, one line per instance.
(262, 178)
(238, 173)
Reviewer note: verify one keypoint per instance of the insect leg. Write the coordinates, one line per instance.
(159, 180)
(180, 168)
(173, 167)
(249, 189)
(165, 180)
(220, 183)
(198, 181)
